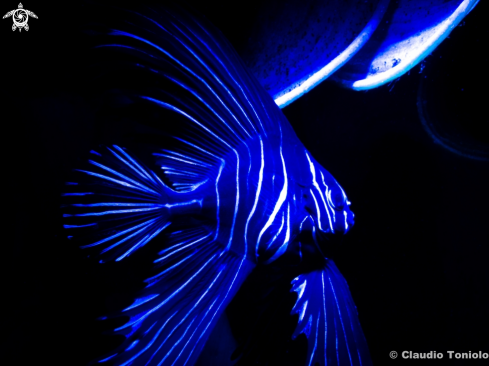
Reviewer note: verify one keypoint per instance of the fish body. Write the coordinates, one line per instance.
(234, 189)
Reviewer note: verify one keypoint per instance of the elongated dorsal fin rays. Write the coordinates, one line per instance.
(214, 91)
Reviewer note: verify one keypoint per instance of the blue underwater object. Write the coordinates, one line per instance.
(359, 44)
(233, 189)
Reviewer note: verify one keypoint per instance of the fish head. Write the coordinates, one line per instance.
(327, 203)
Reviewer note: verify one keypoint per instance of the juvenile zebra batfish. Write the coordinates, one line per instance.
(233, 190)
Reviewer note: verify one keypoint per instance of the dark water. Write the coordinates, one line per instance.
(416, 260)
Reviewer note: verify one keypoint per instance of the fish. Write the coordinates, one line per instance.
(228, 188)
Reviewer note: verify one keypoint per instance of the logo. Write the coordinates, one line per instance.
(20, 17)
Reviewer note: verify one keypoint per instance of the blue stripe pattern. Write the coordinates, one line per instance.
(234, 190)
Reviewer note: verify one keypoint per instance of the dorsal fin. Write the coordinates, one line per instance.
(169, 60)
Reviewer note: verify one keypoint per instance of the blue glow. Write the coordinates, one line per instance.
(401, 49)
(111, 179)
(283, 247)
(224, 86)
(144, 188)
(280, 201)
(138, 169)
(222, 193)
(278, 232)
(302, 85)
(141, 301)
(138, 319)
(142, 242)
(108, 358)
(303, 311)
(210, 108)
(173, 251)
(76, 194)
(114, 212)
(316, 185)
(188, 341)
(324, 312)
(222, 302)
(146, 223)
(236, 204)
(221, 167)
(124, 240)
(133, 344)
(315, 343)
(257, 195)
(341, 318)
(151, 281)
(183, 319)
(77, 226)
(182, 160)
(119, 33)
(169, 106)
(150, 343)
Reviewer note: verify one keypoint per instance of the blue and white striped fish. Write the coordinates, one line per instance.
(233, 190)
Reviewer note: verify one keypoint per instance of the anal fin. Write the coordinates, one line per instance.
(176, 312)
(328, 317)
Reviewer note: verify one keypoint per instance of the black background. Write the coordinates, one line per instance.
(416, 260)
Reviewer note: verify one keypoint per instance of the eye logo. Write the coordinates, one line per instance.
(20, 17)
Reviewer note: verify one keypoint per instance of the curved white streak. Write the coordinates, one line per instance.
(328, 193)
(330, 203)
(278, 232)
(302, 223)
(230, 74)
(171, 107)
(316, 185)
(284, 246)
(325, 319)
(213, 74)
(127, 179)
(205, 103)
(341, 319)
(196, 147)
(280, 201)
(257, 196)
(236, 205)
(181, 321)
(217, 311)
(217, 197)
(196, 328)
(184, 156)
(136, 167)
(138, 320)
(416, 55)
(315, 343)
(150, 343)
(121, 33)
(317, 209)
(142, 242)
(303, 86)
(179, 249)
